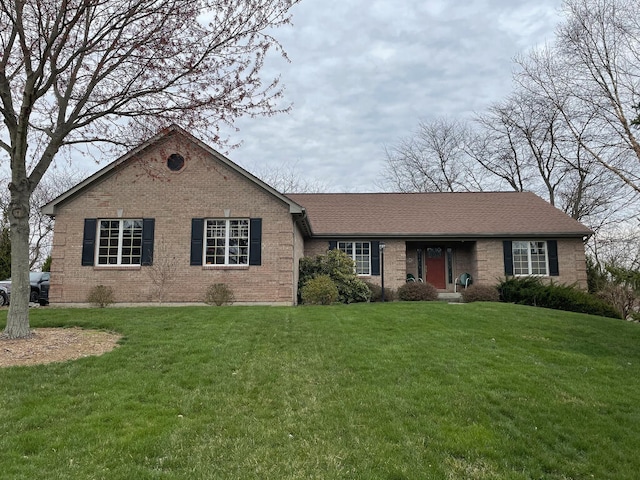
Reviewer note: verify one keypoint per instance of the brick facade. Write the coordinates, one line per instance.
(145, 188)
(483, 259)
(140, 185)
(571, 262)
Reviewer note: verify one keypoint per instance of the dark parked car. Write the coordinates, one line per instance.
(39, 288)
(4, 296)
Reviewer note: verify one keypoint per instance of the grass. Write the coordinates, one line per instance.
(371, 391)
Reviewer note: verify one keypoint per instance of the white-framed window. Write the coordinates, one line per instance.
(119, 242)
(226, 242)
(360, 253)
(530, 258)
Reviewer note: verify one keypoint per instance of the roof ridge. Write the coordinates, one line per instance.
(492, 192)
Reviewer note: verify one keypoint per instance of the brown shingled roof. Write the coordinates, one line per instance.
(473, 214)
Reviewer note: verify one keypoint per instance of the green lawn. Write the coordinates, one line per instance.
(371, 391)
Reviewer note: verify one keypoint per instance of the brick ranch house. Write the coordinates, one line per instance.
(175, 198)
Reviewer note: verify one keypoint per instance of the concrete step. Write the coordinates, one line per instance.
(450, 297)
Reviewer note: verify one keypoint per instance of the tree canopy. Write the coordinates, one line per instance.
(111, 72)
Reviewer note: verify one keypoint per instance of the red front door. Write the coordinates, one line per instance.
(435, 267)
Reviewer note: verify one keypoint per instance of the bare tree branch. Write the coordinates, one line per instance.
(115, 72)
(591, 75)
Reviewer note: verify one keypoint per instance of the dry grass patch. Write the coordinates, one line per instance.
(48, 345)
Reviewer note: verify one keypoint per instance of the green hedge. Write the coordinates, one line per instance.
(532, 291)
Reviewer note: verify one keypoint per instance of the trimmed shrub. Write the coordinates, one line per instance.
(523, 290)
(219, 294)
(341, 269)
(376, 293)
(319, 290)
(417, 292)
(480, 293)
(352, 290)
(531, 291)
(100, 296)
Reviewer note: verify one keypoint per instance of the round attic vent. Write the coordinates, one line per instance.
(175, 162)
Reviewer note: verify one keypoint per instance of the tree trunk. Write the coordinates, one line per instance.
(18, 316)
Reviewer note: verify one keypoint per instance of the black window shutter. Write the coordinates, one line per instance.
(255, 241)
(333, 244)
(148, 227)
(197, 239)
(89, 241)
(375, 258)
(508, 257)
(552, 250)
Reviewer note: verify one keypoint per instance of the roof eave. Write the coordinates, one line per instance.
(302, 220)
(454, 236)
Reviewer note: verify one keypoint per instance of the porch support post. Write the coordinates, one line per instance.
(382, 268)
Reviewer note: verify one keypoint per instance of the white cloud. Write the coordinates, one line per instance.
(364, 72)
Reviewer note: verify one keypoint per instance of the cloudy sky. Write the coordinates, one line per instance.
(363, 73)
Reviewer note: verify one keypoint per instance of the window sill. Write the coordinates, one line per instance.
(117, 267)
(225, 267)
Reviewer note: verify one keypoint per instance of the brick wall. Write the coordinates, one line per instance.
(483, 259)
(571, 262)
(143, 187)
(205, 188)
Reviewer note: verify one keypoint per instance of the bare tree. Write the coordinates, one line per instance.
(434, 159)
(287, 178)
(110, 73)
(618, 245)
(162, 270)
(54, 183)
(524, 141)
(507, 143)
(591, 75)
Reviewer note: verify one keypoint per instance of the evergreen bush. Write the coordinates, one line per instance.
(46, 266)
(320, 290)
(338, 266)
(532, 291)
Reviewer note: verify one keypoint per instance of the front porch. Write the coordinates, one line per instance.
(440, 263)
